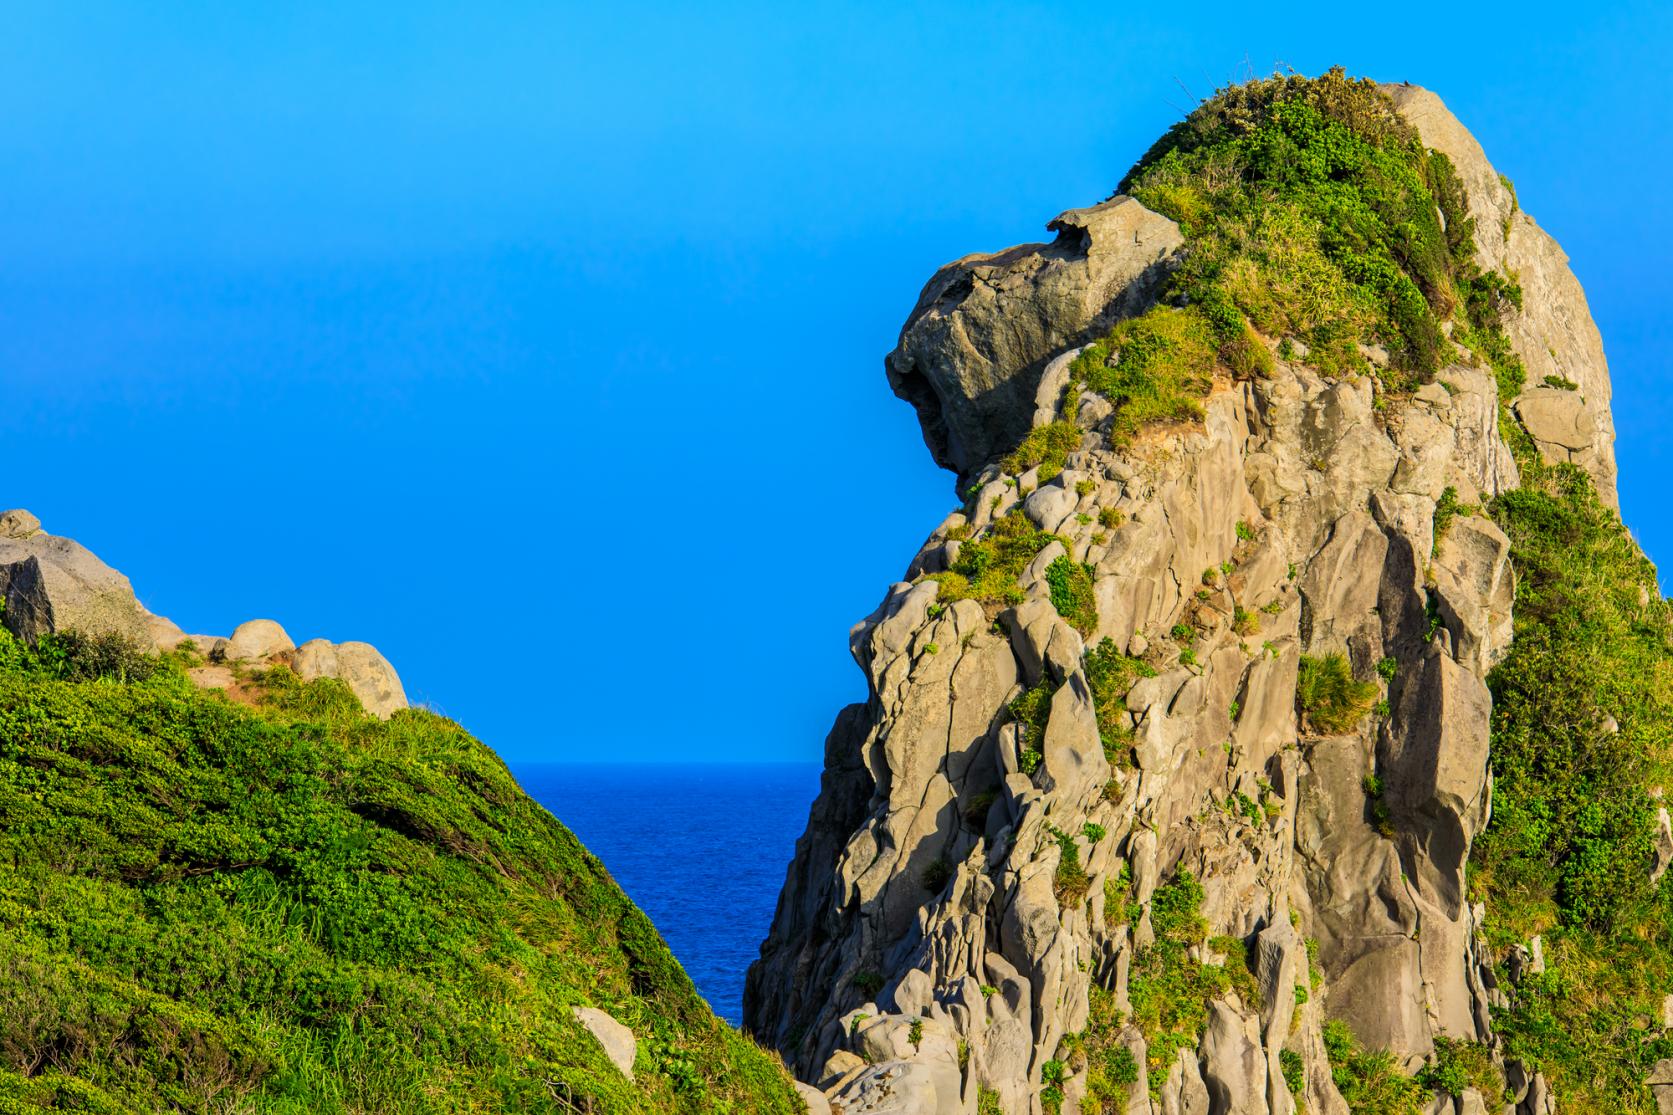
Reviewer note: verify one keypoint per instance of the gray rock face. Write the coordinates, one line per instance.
(1554, 332)
(51, 584)
(972, 353)
(933, 885)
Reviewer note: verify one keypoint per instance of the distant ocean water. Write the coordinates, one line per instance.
(702, 849)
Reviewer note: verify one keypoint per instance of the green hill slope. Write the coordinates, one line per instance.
(292, 907)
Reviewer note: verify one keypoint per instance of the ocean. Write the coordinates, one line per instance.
(702, 849)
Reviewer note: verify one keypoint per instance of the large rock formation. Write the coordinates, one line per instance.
(932, 949)
(50, 584)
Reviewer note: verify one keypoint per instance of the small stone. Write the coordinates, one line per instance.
(618, 1041)
(816, 1102)
(18, 523)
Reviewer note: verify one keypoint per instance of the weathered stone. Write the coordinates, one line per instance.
(359, 666)
(257, 639)
(1553, 332)
(1433, 763)
(50, 584)
(1184, 1092)
(18, 523)
(816, 1102)
(1342, 580)
(1474, 590)
(617, 1040)
(971, 355)
(1296, 516)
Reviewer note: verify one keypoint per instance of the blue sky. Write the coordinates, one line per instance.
(541, 344)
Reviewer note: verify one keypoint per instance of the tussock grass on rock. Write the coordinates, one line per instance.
(1332, 702)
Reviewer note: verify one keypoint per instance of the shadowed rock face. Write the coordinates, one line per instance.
(971, 354)
(924, 887)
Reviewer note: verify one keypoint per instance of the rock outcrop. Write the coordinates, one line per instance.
(966, 894)
(971, 355)
(50, 585)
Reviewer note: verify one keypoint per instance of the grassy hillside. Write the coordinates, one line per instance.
(292, 907)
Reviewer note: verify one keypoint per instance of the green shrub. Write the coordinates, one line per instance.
(1070, 585)
(1447, 508)
(1032, 710)
(937, 875)
(1313, 210)
(1294, 1069)
(1458, 1065)
(73, 656)
(296, 907)
(1110, 674)
(1071, 882)
(1157, 367)
(987, 567)
(1370, 1081)
(977, 808)
(1573, 821)
(1051, 1096)
(1111, 1068)
(1169, 991)
(1330, 700)
(1047, 447)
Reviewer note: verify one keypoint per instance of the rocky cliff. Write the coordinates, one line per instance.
(1178, 733)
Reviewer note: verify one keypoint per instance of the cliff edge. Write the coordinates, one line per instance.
(1288, 491)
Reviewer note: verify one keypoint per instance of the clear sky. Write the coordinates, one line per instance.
(540, 345)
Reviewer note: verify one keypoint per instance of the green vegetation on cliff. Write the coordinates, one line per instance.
(297, 908)
(1582, 737)
(1313, 215)
(1313, 211)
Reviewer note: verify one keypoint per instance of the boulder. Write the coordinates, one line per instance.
(359, 666)
(50, 584)
(816, 1102)
(18, 523)
(256, 639)
(617, 1040)
(370, 676)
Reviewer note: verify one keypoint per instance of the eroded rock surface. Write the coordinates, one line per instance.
(973, 351)
(1297, 519)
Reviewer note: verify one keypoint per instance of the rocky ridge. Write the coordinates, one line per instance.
(52, 585)
(971, 920)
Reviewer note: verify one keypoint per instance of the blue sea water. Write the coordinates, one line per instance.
(702, 849)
